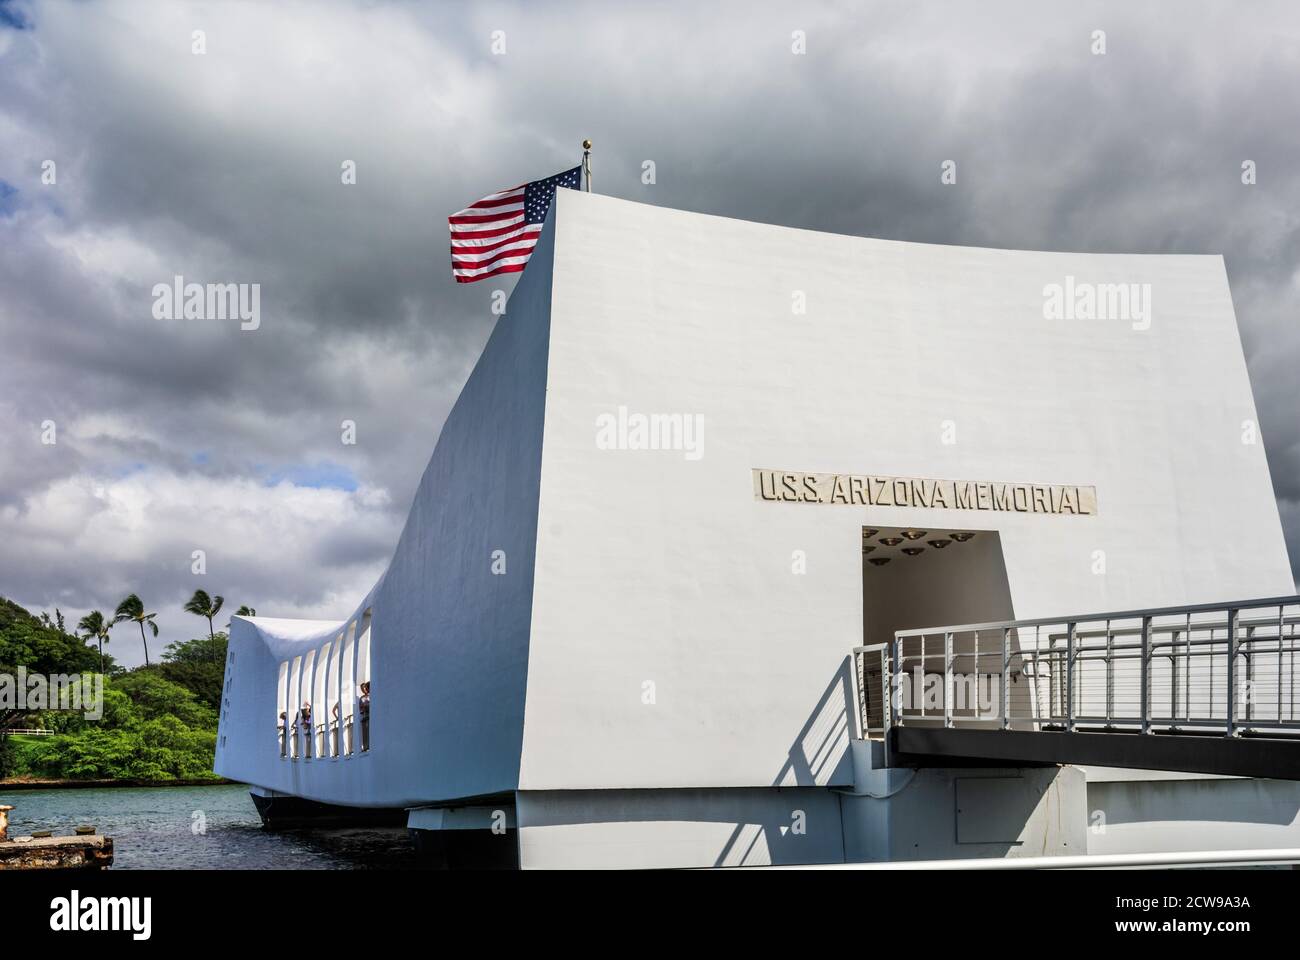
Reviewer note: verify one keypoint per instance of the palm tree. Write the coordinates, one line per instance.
(132, 608)
(204, 606)
(97, 627)
(243, 611)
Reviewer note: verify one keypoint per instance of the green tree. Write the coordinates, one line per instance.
(152, 729)
(155, 696)
(243, 611)
(26, 641)
(132, 608)
(198, 650)
(96, 627)
(9, 761)
(204, 606)
(159, 722)
(199, 666)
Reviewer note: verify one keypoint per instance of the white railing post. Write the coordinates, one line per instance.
(887, 691)
(896, 684)
(1146, 675)
(1250, 676)
(1006, 678)
(1069, 677)
(1230, 728)
(860, 678)
(947, 679)
(1173, 675)
(1280, 627)
(1110, 673)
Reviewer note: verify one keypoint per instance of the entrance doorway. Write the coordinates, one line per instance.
(919, 577)
(915, 578)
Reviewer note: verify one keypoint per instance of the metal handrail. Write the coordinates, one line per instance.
(1097, 861)
(1158, 669)
(1122, 615)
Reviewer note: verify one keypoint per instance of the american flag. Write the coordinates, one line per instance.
(497, 234)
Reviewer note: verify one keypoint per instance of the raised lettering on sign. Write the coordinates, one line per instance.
(1060, 499)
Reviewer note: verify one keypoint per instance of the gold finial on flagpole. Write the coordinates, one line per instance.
(586, 162)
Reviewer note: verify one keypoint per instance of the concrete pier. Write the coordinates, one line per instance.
(57, 853)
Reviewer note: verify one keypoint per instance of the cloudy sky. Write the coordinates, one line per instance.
(173, 436)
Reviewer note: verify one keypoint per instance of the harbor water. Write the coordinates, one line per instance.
(201, 828)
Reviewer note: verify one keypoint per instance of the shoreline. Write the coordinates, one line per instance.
(7, 785)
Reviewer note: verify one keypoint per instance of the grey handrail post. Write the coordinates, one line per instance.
(1146, 674)
(947, 679)
(1230, 729)
(1281, 611)
(1110, 673)
(1006, 678)
(887, 689)
(1250, 675)
(1069, 677)
(896, 684)
(1173, 675)
(860, 679)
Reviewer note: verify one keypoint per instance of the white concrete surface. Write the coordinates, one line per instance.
(449, 636)
(1161, 815)
(653, 568)
(659, 629)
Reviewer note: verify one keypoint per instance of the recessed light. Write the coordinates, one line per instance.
(914, 534)
(878, 561)
(961, 537)
(868, 533)
(939, 544)
(891, 541)
(913, 551)
(867, 549)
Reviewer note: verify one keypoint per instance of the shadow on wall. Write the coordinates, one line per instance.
(962, 581)
(797, 819)
(1226, 800)
(818, 756)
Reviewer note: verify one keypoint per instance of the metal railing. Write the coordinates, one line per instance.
(1226, 668)
(872, 664)
(304, 740)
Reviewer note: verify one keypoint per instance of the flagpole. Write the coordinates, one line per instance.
(586, 162)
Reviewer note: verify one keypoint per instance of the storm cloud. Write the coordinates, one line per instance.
(225, 166)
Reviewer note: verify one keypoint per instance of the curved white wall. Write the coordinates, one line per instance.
(653, 628)
(654, 568)
(449, 638)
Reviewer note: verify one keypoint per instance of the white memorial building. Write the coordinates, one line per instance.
(700, 462)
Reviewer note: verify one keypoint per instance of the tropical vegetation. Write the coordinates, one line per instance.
(159, 721)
